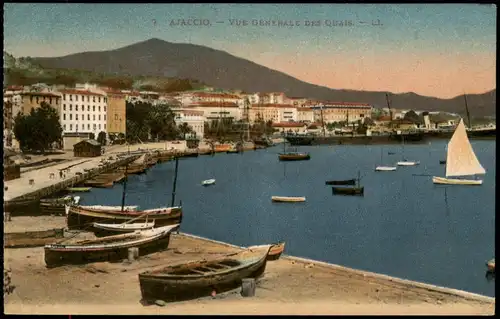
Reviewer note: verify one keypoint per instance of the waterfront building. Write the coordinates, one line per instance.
(217, 110)
(116, 117)
(30, 100)
(273, 112)
(330, 112)
(194, 118)
(290, 127)
(305, 114)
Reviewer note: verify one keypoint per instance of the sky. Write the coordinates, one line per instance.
(440, 50)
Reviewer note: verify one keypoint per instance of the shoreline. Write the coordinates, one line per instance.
(445, 290)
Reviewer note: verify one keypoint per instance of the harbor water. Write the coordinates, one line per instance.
(403, 226)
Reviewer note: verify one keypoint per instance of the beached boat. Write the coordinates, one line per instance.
(108, 208)
(201, 277)
(114, 229)
(288, 199)
(32, 238)
(275, 251)
(84, 218)
(491, 265)
(461, 160)
(78, 189)
(208, 182)
(342, 182)
(108, 248)
(56, 206)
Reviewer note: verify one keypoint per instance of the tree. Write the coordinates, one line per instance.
(184, 129)
(92, 136)
(38, 130)
(101, 138)
(144, 120)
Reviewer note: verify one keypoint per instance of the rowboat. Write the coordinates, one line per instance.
(109, 208)
(56, 206)
(491, 265)
(408, 163)
(108, 248)
(287, 199)
(348, 190)
(32, 238)
(208, 182)
(385, 168)
(114, 229)
(294, 156)
(275, 251)
(84, 218)
(342, 182)
(201, 277)
(78, 189)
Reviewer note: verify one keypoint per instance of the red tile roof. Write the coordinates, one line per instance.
(41, 94)
(213, 104)
(274, 105)
(304, 109)
(288, 124)
(80, 92)
(343, 103)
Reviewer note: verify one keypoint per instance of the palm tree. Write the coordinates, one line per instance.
(184, 128)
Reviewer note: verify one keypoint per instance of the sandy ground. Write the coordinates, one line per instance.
(287, 287)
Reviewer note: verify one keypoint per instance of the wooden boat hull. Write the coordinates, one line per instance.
(32, 239)
(58, 255)
(356, 191)
(103, 230)
(78, 189)
(134, 169)
(385, 168)
(183, 287)
(408, 163)
(342, 182)
(56, 206)
(456, 181)
(208, 182)
(83, 219)
(295, 157)
(288, 199)
(276, 251)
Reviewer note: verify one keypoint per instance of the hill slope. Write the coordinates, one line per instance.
(156, 57)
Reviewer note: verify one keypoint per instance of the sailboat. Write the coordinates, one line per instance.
(405, 162)
(293, 156)
(460, 160)
(382, 168)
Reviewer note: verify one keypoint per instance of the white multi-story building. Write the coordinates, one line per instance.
(194, 119)
(215, 110)
(191, 98)
(83, 111)
(305, 114)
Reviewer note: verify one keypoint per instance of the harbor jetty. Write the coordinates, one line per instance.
(49, 180)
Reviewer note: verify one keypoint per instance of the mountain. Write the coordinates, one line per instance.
(217, 68)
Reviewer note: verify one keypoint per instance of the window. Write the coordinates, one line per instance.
(76, 117)
(83, 117)
(94, 117)
(64, 126)
(95, 126)
(64, 96)
(76, 107)
(88, 117)
(116, 117)
(70, 116)
(93, 108)
(93, 98)
(99, 99)
(105, 117)
(70, 107)
(71, 127)
(88, 126)
(88, 108)
(99, 126)
(83, 98)
(104, 126)
(64, 117)
(99, 117)
(88, 98)
(50, 100)
(71, 97)
(76, 99)
(64, 107)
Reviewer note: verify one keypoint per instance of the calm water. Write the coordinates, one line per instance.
(404, 226)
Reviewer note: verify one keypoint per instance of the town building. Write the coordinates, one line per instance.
(32, 100)
(290, 127)
(273, 112)
(116, 117)
(305, 114)
(8, 124)
(330, 112)
(87, 148)
(217, 110)
(194, 118)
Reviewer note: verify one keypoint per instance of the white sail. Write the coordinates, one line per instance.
(461, 159)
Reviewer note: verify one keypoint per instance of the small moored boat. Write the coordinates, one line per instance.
(294, 156)
(208, 182)
(288, 199)
(348, 190)
(491, 265)
(385, 168)
(408, 163)
(275, 251)
(342, 182)
(108, 248)
(78, 189)
(442, 162)
(200, 278)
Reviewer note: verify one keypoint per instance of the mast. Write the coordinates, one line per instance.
(322, 120)
(469, 124)
(389, 107)
(124, 188)
(359, 177)
(175, 181)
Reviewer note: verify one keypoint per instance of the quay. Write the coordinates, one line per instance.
(46, 181)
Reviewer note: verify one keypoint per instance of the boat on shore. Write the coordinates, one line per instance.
(199, 278)
(275, 251)
(56, 206)
(286, 199)
(115, 229)
(460, 161)
(84, 218)
(32, 238)
(111, 248)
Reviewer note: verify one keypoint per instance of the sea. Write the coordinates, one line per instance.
(403, 226)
